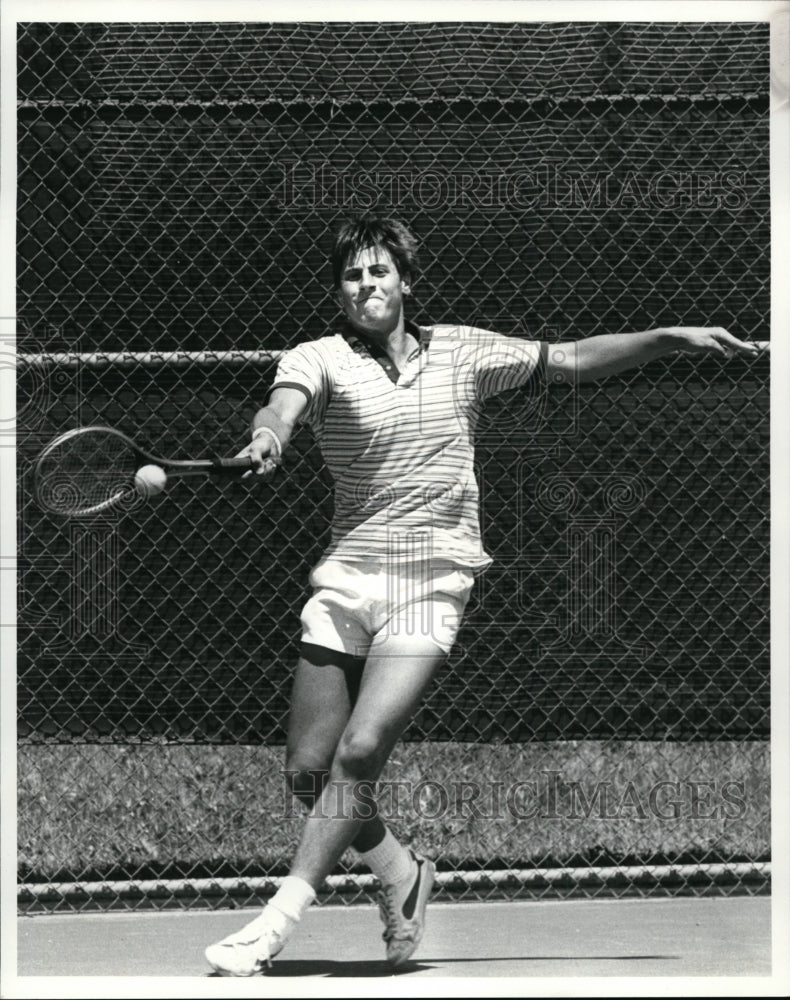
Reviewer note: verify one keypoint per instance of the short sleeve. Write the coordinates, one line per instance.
(501, 363)
(305, 368)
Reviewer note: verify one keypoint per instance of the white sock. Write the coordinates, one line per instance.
(389, 861)
(293, 897)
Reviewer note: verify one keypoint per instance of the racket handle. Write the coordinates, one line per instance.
(231, 466)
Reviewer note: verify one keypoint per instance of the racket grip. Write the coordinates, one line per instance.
(232, 466)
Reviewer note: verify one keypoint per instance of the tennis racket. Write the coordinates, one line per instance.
(94, 469)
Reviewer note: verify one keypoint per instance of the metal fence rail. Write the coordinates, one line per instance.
(176, 185)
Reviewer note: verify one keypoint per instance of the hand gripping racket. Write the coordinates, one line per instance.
(93, 469)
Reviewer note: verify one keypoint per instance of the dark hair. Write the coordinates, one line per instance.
(369, 230)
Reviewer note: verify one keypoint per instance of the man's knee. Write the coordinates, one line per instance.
(360, 756)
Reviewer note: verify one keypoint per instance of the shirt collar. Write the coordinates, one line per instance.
(357, 341)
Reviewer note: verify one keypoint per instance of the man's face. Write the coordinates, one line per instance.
(371, 291)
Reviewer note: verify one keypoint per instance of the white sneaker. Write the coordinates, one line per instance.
(402, 909)
(249, 950)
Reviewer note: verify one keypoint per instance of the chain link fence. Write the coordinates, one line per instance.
(602, 723)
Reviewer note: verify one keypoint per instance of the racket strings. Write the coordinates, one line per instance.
(86, 473)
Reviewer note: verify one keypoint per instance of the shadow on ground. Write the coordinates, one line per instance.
(332, 968)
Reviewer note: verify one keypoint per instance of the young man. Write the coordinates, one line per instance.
(393, 407)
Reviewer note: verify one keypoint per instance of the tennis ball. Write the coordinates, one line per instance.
(150, 480)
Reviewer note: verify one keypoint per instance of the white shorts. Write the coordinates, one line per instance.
(355, 605)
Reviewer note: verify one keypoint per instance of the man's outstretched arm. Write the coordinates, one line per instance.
(272, 427)
(611, 353)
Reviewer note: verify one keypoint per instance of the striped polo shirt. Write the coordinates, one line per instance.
(400, 445)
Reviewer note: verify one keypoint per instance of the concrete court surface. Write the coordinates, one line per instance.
(718, 937)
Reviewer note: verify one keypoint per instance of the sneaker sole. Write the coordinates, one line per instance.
(224, 971)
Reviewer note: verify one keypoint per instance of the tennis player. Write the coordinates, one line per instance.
(393, 407)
